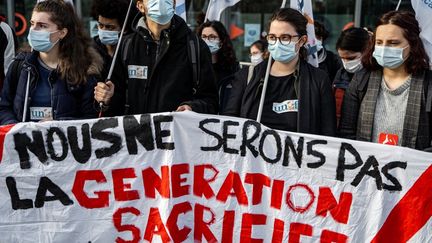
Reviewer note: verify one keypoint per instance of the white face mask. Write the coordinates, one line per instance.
(353, 65)
(257, 58)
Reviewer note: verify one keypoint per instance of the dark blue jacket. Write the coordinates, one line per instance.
(67, 101)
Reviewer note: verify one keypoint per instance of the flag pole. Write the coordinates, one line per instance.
(266, 78)
(117, 50)
(263, 92)
(398, 5)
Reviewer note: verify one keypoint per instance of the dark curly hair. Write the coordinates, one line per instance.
(353, 39)
(226, 57)
(113, 9)
(418, 59)
(321, 31)
(296, 19)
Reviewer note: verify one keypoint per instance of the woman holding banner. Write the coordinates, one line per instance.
(391, 102)
(299, 96)
(56, 80)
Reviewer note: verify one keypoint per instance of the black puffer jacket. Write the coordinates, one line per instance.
(316, 102)
(154, 76)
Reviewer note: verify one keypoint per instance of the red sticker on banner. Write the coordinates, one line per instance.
(389, 139)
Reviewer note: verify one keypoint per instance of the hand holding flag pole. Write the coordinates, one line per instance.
(101, 104)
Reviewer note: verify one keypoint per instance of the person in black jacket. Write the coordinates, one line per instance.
(328, 61)
(61, 71)
(110, 15)
(351, 45)
(224, 59)
(299, 96)
(153, 72)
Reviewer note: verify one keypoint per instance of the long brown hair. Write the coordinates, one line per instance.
(418, 59)
(77, 57)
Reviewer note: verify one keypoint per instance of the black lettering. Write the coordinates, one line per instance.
(227, 136)
(278, 146)
(37, 147)
(246, 141)
(385, 170)
(98, 133)
(45, 185)
(215, 135)
(160, 134)
(138, 131)
(17, 203)
(297, 153)
(63, 142)
(81, 155)
(375, 173)
(315, 153)
(340, 170)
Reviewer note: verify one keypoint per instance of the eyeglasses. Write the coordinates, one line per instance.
(284, 39)
(209, 37)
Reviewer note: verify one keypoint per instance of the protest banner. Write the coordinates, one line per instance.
(186, 176)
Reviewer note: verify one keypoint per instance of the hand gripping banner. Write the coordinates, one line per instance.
(183, 177)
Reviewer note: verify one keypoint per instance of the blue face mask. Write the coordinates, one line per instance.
(160, 11)
(108, 37)
(389, 57)
(319, 45)
(40, 41)
(214, 46)
(283, 53)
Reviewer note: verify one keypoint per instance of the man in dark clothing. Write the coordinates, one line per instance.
(110, 15)
(153, 71)
(8, 46)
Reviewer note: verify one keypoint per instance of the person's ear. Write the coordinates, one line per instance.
(303, 40)
(63, 33)
(140, 6)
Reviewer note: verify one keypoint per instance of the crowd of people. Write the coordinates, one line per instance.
(376, 88)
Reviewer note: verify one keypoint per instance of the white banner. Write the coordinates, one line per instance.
(423, 10)
(186, 176)
(305, 7)
(216, 7)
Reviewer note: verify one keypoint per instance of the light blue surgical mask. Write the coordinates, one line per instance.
(108, 37)
(214, 46)
(389, 57)
(319, 45)
(160, 11)
(40, 41)
(283, 53)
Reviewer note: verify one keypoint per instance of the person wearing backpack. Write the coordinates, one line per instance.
(161, 66)
(56, 80)
(224, 59)
(351, 45)
(299, 96)
(390, 102)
